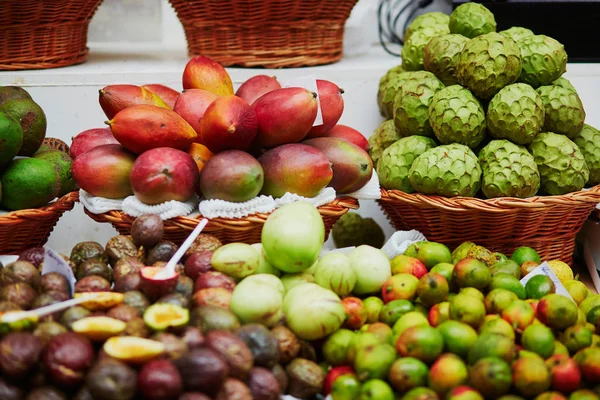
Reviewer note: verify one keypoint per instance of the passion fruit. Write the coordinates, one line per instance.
(162, 251)
(214, 370)
(19, 353)
(49, 298)
(214, 279)
(128, 282)
(159, 380)
(93, 283)
(47, 330)
(98, 329)
(67, 358)
(8, 391)
(125, 266)
(204, 241)
(194, 396)
(289, 344)
(120, 246)
(198, 263)
(137, 300)
(306, 378)
(46, 393)
(137, 327)
(210, 318)
(73, 314)
(193, 337)
(83, 394)
(155, 283)
(6, 306)
(161, 316)
(216, 296)
(133, 350)
(34, 255)
(185, 286)
(147, 230)
(111, 380)
(88, 251)
(175, 347)
(234, 389)
(54, 282)
(123, 312)
(177, 299)
(233, 350)
(281, 376)
(20, 294)
(262, 344)
(94, 267)
(20, 271)
(263, 385)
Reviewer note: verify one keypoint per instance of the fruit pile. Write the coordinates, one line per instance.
(31, 174)
(241, 321)
(475, 112)
(163, 145)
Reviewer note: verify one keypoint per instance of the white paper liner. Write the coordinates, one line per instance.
(327, 195)
(224, 209)
(169, 209)
(371, 190)
(99, 205)
(399, 242)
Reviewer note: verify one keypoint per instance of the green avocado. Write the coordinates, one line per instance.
(62, 163)
(11, 138)
(29, 183)
(33, 122)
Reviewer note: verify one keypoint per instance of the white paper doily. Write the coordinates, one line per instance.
(99, 205)
(169, 209)
(224, 209)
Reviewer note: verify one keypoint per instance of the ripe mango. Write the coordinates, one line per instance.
(104, 171)
(256, 86)
(90, 139)
(229, 123)
(332, 107)
(191, 106)
(352, 166)
(166, 94)
(295, 168)
(203, 73)
(143, 127)
(114, 98)
(349, 134)
(285, 116)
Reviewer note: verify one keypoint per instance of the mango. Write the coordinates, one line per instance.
(203, 73)
(191, 106)
(256, 86)
(285, 116)
(166, 94)
(233, 176)
(144, 127)
(114, 98)
(352, 166)
(348, 134)
(295, 168)
(90, 139)
(332, 107)
(104, 171)
(229, 123)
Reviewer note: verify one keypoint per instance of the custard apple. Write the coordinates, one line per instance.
(412, 51)
(456, 116)
(448, 170)
(544, 60)
(396, 160)
(353, 230)
(560, 162)
(387, 92)
(428, 20)
(564, 110)
(487, 63)
(441, 55)
(381, 139)
(472, 19)
(411, 105)
(565, 83)
(508, 170)
(516, 113)
(588, 141)
(517, 33)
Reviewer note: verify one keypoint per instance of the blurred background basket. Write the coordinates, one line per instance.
(20, 230)
(549, 224)
(265, 33)
(246, 230)
(38, 34)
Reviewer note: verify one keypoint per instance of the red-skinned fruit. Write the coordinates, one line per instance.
(191, 106)
(332, 106)
(348, 134)
(19, 353)
(203, 73)
(159, 380)
(257, 86)
(214, 279)
(91, 139)
(104, 171)
(144, 127)
(284, 116)
(565, 373)
(198, 263)
(229, 123)
(164, 174)
(114, 98)
(215, 296)
(402, 264)
(355, 311)
(166, 94)
(67, 358)
(157, 286)
(335, 373)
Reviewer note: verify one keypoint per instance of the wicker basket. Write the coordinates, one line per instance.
(265, 33)
(246, 230)
(20, 230)
(38, 34)
(546, 223)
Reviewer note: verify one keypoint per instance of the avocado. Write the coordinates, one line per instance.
(12, 93)
(33, 122)
(11, 138)
(62, 163)
(29, 183)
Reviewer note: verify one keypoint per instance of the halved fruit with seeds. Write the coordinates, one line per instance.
(132, 349)
(162, 316)
(100, 300)
(99, 329)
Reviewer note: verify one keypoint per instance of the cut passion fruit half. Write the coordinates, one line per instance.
(157, 282)
(100, 300)
(98, 329)
(132, 349)
(162, 316)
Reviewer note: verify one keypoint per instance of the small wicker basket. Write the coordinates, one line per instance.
(246, 230)
(265, 33)
(546, 223)
(38, 34)
(23, 229)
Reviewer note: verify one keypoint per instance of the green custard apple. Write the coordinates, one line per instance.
(434, 19)
(390, 76)
(544, 60)
(564, 83)
(472, 19)
(397, 159)
(517, 33)
(353, 230)
(487, 63)
(561, 164)
(412, 51)
(588, 141)
(440, 56)
(564, 110)
(508, 170)
(516, 113)
(456, 116)
(411, 105)
(388, 91)
(448, 170)
(383, 137)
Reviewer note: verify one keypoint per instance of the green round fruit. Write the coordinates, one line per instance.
(412, 51)
(447, 372)
(544, 60)
(444, 269)
(420, 393)
(392, 311)
(498, 299)
(28, 183)
(422, 342)
(335, 348)
(472, 19)
(497, 325)
(519, 314)
(530, 376)
(523, 254)
(564, 112)
(373, 305)
(345, 387)
(565, 83)
(517, 33)
(440, 56)
(473, 273)
(577, 337)
(539, 286)
(593, 315)
(506, 267)
(376, 389)
(33, 122)
(492, 345)
(467, 309)
(374, 361)
(539, 339)
(407, 373)
(458, 337)
(439, 313)
(383, 137)
(471, 291)
(12, 138)
(333, 272)
(491, 376)
(427, 20)
(358, 341)
(508, 282)
(432, 289)
(408, 320)
(588, 141)
(557, 311)
(352, 230)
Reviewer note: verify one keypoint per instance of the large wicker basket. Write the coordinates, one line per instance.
(246, 230)
(20, 230)
(39, 34)
(265, 33)
(546, 223)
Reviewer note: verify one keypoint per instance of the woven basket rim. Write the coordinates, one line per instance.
(61, 204)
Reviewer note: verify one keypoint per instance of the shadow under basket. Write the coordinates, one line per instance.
(548, 224)
(245, 230)
(40, 34)
(265, 33)
(23, 229)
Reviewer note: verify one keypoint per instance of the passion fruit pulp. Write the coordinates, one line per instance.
(156, 284)
(161, 316)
